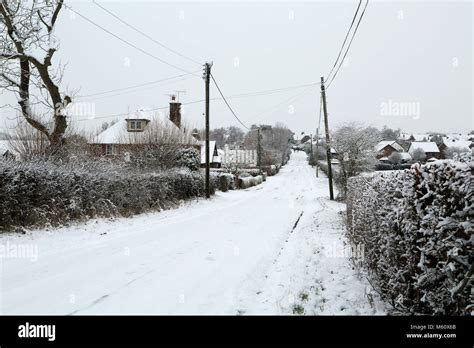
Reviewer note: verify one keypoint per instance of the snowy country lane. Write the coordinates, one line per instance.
(260, 250)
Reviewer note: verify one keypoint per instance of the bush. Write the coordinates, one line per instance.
(249, 181)
(35, 194)
(188, 158)
(416, 228)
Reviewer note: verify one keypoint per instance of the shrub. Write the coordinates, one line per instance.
(35, 194)
(188, 158)
(249, 181)
(416, 228)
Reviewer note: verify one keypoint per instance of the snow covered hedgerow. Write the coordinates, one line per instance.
(417, 231)
(249, 181)
(35, 194)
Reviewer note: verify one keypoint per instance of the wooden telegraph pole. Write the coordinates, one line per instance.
(207, 75)
(328, 142)
(317, 151)
(259, 151)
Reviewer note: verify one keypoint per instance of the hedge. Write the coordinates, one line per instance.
(417, 232)
(36, 194)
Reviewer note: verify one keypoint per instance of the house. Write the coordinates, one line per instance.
(387, 147)
(239, 157)
(430, 149)
(454, 143)
(141, 128)
(215, 160)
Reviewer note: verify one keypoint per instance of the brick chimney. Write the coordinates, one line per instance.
(175, 111)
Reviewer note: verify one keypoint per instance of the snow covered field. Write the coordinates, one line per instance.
(271, 249)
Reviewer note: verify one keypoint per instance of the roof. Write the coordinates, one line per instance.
(405, 156)
(4, 146)
(380, 146)
(426, 146)
(462, 144)
(118, 134)
(212, 147)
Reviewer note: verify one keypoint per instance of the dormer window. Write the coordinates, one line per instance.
(136, 125)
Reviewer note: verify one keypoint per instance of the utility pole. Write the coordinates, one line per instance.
(259, 151)
(311, 142)
(317, 152)
(328, 142)
(207, 74)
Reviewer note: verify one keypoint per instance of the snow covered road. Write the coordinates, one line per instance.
(268, 249)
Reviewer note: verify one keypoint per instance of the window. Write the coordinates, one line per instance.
(135, 125)
(109, 149)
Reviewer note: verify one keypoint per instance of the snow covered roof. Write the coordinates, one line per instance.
(118, 133)
(385, 143)
(426, 146)
(462, 144)
(405, 156)
(212, 149)
(4, 146)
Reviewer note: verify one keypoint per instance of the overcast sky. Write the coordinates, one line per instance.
(416, 56)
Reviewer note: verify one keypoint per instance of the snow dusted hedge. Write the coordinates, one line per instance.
(41, 193)
(416, 228)
(249, 181)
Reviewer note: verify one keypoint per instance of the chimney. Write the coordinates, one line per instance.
(175, 111)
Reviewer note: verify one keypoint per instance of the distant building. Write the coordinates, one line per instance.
(134, 132)
(453, 143)
(215, 160)
(430, 149)
(386, 148)
(239, 157)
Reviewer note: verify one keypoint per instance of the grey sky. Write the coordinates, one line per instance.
(404, 52)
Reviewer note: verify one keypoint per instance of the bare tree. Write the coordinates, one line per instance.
(27, 47)
(419, 155)
(355, 147)
(395, 157)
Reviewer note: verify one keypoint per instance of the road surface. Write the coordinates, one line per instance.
(274, 248)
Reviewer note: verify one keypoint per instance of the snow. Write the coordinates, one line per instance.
(460, 144)
(405, 156)
(265, 249)
(118, 134)
(426, 146)
(385, 143)
(4, 146)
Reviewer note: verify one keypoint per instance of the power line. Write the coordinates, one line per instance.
(225, 100)
(345, 39)
(134, 86)
(349, 46)
(144, 34)
(127, 113)
(127, 42)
